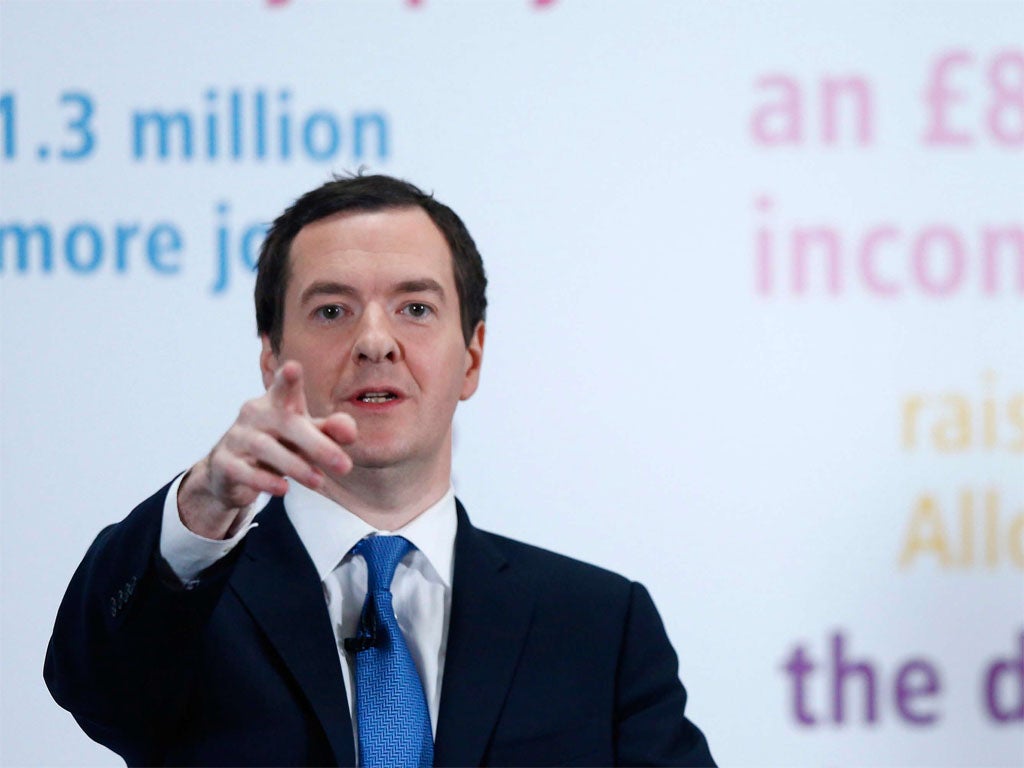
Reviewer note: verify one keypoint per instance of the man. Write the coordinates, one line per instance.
(197, 632)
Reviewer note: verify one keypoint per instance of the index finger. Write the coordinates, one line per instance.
(303, 437)
(286, 390)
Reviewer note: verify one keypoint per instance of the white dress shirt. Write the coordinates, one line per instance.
(422, 585)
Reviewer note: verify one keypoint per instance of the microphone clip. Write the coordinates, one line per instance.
(366, 636)
(359, 643)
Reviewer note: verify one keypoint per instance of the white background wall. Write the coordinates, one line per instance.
(745, 453)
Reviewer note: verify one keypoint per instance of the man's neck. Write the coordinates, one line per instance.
(388, 497)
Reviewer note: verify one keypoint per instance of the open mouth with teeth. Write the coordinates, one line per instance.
(377, 397)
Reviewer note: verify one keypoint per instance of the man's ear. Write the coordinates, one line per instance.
(474, 359)
(268, 361)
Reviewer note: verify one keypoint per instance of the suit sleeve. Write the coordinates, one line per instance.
(651, 727)
(126, 635)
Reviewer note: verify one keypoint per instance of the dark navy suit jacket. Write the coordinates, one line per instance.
(550, 661)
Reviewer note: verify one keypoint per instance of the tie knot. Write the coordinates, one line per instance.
(382, 554)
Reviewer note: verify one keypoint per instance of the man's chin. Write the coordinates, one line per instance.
(373, 464)
(375, 457)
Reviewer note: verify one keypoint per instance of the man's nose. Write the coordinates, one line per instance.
(375, 340)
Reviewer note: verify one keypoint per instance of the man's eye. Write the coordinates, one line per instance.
(330, 312)
(419, 311)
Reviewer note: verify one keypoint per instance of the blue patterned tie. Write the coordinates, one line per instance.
(394, 722)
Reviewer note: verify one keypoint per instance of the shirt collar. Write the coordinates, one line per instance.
(328, 530)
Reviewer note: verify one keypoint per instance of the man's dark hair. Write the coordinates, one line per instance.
(364, 193)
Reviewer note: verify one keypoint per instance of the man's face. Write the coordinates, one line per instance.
(372, 314)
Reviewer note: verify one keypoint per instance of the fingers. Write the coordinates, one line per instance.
(340, 427)
(272, 435)
(301, 436)
(286, 391)
(274, 438)
(237, 482)
(283, 443)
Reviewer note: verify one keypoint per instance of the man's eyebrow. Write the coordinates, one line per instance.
(326, 288)
(334, 288)
(425, 284)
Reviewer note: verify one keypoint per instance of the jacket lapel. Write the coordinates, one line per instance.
(278, 583)
(490, 615)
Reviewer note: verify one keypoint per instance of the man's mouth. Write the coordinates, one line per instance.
(376, 397)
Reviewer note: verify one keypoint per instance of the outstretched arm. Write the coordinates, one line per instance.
(128, 632)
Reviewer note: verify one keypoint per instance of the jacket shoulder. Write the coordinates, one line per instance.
(553, 574)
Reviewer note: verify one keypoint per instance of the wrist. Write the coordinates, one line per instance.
(200, 510)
